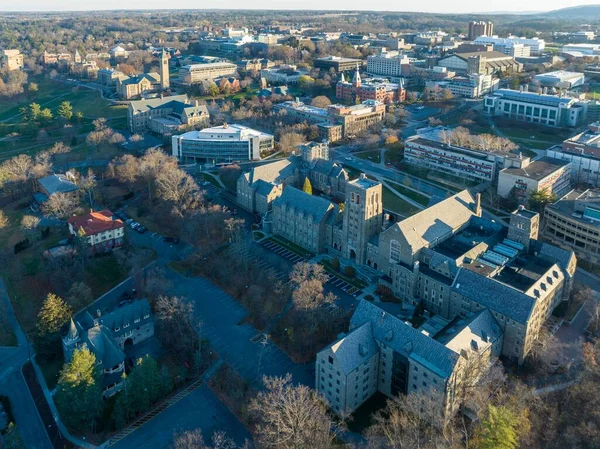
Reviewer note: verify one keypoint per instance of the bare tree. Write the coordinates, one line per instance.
(292, 416)
(177, 324)
(61, 205)
(4, 220)
(88, 185)
(30, 223)
(126, 168)
(179, 188)
(192, 439)
(289, 141)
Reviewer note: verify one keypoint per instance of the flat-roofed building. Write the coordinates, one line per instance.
(544, 174)
(480, 28)
(560, 79)
(338, 63)
(11, 60)
(226, 143)
(551, 110)
(583, 151)
(429, 152)
(196, 73)
(483, 62)
(573, 222)
(389, 63)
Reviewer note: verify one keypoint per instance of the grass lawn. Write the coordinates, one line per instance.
(418, 197)
(374, 155)
(7, 336)
(51, 370)
(396, 204)
(103, 273)
(52, 93)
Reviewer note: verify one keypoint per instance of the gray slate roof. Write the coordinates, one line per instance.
(263, 188)
(57, 183)
(301, 201)
(405, 339)
(127, 314)
(425, 228)
(273, 172)
(355, 348)
(104, 347)
(494, 295)
(482, 329)
(562, 257)
(154, 103)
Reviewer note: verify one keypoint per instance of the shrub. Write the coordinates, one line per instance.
(22, 245)
(350, 272)
(369, 298)
(335, 264)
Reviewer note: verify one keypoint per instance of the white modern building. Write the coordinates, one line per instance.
(471, 86)
(196, 73)
(550, 110)
(222, 144)
(535, 44)
(560, 79)
(583, 49)
(388, 64)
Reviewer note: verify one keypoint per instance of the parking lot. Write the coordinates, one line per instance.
(283, 252)
(333, 283)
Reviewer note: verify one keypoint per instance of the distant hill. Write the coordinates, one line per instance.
(576, 12)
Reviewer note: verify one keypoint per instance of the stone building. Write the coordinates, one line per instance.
(11, 60)
(382, 353)
(257, 188)
(302, 218)
(165, 115)
(109, 335)
(377, 90)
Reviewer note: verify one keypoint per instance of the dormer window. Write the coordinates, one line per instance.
(117, 329)
(125, 325)
(146, 316)
(137, 320)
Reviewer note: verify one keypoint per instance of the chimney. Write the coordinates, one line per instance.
(478, 204)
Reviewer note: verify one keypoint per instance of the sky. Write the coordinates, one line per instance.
(440, 6)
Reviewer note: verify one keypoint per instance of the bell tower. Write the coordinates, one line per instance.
(164, 70)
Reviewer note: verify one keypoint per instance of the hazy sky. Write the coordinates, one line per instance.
(461, 6)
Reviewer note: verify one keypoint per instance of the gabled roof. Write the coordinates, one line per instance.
(95, 222)
(263, 188)
(273, 172)
(126, 316)
(104, 347)
(301, 201)
(355, 348)
(474, 334)
(494, 295)
(404, 339)
(154, 103)
(428, 226)
(57, 183)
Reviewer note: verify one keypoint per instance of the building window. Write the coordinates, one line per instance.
(331, 360)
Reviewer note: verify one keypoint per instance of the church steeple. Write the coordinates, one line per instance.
(342, 78)
(356, 81)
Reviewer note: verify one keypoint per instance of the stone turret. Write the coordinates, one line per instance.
(70, 341)
(164, 71)
(356, 81)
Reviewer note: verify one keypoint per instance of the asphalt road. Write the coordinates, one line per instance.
(12, 384)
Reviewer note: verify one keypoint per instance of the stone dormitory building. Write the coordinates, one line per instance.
(108, 334)
(489, 287)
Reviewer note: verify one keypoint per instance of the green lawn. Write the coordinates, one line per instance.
(51, 370)
(374, 155)
(396, 204)
(52, 93)
(418, 197)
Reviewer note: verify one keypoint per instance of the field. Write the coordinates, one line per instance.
(372, 155)
(17, 136)
(418, 197)
(396, 204)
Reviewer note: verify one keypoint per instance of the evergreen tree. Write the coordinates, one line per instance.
(65, 110)
(498, 430)
(144, 386)
(307, 188)
(78, 392)
(53, 315)
(34, 112)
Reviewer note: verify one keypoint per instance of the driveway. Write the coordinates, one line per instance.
(221, 316)
(201, 409)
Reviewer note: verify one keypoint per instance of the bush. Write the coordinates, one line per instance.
(5, 403)
(350, 272)
(22, 245)
(335, 264)
(369, 298)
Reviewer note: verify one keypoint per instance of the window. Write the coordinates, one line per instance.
(395, 251)
(331, 360)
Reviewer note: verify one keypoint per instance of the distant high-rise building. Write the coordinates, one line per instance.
(482, 28)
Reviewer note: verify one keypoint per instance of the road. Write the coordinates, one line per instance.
(12, 384)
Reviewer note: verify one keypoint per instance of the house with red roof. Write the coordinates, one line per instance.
(103, 232)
